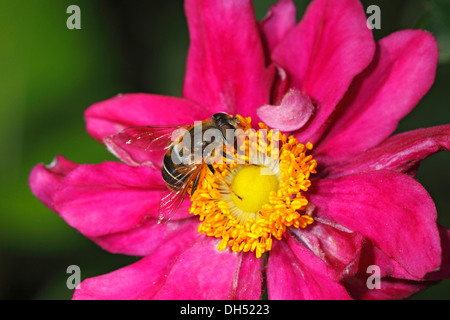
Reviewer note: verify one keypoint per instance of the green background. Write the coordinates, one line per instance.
(49, 75)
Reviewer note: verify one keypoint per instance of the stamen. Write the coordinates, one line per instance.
(273, 203)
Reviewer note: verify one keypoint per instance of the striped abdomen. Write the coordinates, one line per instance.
(171, 174)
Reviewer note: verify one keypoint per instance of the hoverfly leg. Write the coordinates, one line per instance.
(194, 185)
(238, 196)
(219, 176)
(226, 155)
(211, 168)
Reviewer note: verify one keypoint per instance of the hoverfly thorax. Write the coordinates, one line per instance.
(227, 126)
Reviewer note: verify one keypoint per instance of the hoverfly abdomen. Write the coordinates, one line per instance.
(171, 174)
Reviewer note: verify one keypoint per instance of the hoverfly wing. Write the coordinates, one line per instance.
(149, 138)
(173, 198)
(144, 145)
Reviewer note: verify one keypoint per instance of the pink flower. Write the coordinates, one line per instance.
(367, 207)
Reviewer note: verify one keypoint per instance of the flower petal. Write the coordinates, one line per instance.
(45, 180)
(226, 275)
(108, 117)
(147, 236)
(280, 19)
(249, 283)
(390, 209)
(281, 84)
(401, 152)
(371, 255)
(389, 289)
(323, 54)
(338, 248)
(293, 112)
(294, 272)
(225, 68)
(401, 73)
(162, 274)
(444, 269)
(142, 279)
(109, 197)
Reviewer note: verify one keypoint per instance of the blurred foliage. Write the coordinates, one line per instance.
(49, 75)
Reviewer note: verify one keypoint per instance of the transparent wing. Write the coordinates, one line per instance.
(145, 145)
(150, 138)
(172, 199)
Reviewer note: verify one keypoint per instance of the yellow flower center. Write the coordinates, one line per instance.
(253, 184)
(251, 201)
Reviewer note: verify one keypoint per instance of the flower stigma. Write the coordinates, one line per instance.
(252, 200)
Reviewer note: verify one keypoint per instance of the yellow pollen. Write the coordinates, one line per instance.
(264, 196)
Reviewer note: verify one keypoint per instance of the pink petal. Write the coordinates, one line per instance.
(390, 289)
(214, 274)
(338, 248)
(109, 197)
(147, 236)
(163, 274)
(280, 19)
(45, 180)
(226, 65)
(371, 255)
(444, 268)
(295, 273)
(281, 84)
(249, 282)
(141, 280)
(323, 54)
(293, 112)
(401, 73)
(390, 209)
(111, 116)
(401, 152)
(395, 281)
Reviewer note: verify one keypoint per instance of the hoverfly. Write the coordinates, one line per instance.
(181, 167)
